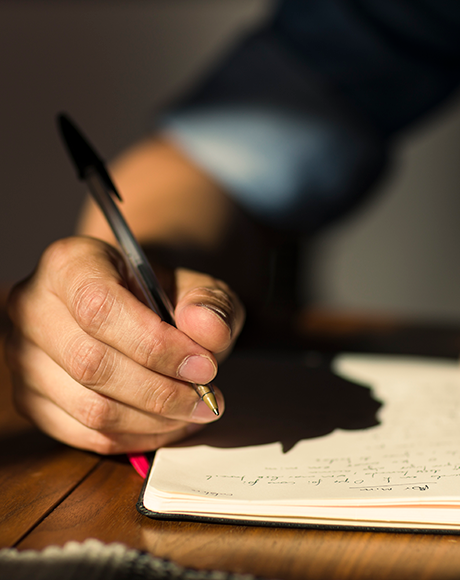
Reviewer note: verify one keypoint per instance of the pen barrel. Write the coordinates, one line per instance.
(203, 390)
(206, 393)
(142, 273)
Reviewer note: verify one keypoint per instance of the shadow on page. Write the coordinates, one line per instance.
(272, 398)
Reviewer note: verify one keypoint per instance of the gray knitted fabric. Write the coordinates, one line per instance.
(93, 560)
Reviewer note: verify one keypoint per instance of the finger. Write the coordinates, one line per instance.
(95, 411)
(83, 275)
(61, 426)
(208, 311)
(89, 379)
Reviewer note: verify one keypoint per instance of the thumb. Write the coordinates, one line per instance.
(208, 311)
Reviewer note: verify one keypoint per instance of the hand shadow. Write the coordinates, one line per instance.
(273, 398)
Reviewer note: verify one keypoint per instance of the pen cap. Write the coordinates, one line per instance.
(81, 152)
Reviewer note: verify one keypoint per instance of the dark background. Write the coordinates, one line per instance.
(112, 64)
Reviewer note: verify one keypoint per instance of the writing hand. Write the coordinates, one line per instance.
(95, 368)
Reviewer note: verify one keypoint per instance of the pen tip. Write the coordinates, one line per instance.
(211, 402)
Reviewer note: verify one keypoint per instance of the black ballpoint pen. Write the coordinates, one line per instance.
(92, 170)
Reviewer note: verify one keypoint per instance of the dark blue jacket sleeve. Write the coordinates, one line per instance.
(296, 122)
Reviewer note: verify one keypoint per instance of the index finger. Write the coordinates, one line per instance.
(87, 275)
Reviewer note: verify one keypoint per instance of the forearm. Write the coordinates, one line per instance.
(167, 200)
(176, 209)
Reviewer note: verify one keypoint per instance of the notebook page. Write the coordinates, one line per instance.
(411, 457)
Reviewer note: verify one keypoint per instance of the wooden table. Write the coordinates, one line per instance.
(51, 494)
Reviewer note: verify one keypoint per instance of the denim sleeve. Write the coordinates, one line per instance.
(281, 124)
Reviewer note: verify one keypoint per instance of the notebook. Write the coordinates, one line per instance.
(359, 441)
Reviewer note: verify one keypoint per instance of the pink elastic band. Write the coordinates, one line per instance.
(140, 463)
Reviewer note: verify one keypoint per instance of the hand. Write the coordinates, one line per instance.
(95, 368)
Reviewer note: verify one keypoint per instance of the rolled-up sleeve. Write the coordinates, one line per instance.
(286, 141)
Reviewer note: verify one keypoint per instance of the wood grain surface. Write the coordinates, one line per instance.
(36, 472)
(103, 507)
(51, 494)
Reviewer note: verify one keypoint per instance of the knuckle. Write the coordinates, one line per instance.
(56, 255)
(21, 302)
(97, 413)
(161, 401)
(93, 305)
(89, 362)
(151, 350)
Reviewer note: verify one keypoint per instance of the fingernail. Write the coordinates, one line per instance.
(221, 314)
(197, 369)
(202, 413)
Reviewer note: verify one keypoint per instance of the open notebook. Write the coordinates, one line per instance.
(365, 441)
